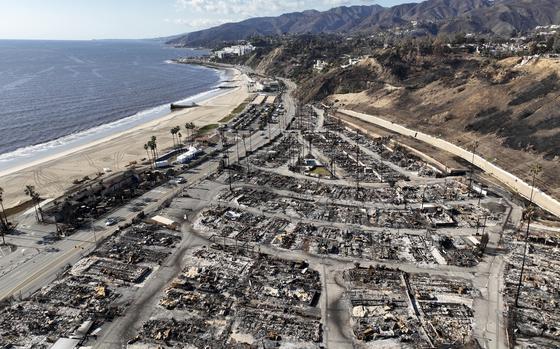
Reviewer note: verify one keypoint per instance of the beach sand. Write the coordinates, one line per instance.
(53, 176)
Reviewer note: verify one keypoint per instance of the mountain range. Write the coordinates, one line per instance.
(501, 17)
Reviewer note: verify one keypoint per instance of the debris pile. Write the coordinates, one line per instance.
(423, 309)
(230, 298)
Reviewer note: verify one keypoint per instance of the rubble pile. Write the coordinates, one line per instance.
(400, 194)
(538, 315)
(229, 298)
(423, 309)
(306, 120)
(102, 196)
(277, 154)
(395, 154)
(355, 163)
(422, 248)
(88, 294)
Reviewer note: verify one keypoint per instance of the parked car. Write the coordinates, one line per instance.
(111, 221)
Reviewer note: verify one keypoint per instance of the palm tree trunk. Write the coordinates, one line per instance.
(36, 212)
(3, 217)
(148, 154)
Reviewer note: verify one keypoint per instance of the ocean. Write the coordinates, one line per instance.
(55, 95)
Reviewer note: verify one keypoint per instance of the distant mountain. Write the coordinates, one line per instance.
(482, 16)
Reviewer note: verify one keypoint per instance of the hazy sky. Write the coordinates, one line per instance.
(130, 19)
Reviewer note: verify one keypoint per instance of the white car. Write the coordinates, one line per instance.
(111, 221)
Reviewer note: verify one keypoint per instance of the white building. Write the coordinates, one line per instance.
(237, 50)
(190, 155)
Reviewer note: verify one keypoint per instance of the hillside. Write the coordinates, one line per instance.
(432, 16)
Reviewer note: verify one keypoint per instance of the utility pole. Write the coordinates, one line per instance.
(237, 144)
(251, 132)
(93, 229)
(474, 147)
(535, 170)
(357, 166)
(226, 156)
(245, 149)
(268, 122)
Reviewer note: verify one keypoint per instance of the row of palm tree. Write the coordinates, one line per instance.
(35, 199)
(176, 134)
(189, 126)
(152, 149)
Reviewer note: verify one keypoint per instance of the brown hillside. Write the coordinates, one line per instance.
(512, 106)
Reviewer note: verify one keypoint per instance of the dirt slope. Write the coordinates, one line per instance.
(512, 107)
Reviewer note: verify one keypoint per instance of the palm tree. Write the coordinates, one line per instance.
(177, 133)
(190, 127)
(529, 214)
(147, 149)
(35, 198)
(3, 217)
(173, 132)
(180, 138)
(154, 145)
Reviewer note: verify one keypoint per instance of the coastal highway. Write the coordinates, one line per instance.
(38, 261)
(46, 259)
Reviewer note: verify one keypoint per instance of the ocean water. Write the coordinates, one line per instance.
(55, 95)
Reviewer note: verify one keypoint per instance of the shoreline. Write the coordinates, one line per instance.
(125, 146)
(78, 141)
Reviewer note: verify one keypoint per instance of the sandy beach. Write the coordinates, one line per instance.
(52, 176)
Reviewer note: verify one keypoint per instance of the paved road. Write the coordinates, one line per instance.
(51, 258)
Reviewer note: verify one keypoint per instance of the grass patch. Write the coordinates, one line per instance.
(204, 130)
(235, 112)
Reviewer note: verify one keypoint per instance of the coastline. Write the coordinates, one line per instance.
(53, 175)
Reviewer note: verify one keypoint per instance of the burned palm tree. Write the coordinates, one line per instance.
(529, 215)
(3, 217)
(35, 199)
(147, 149)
